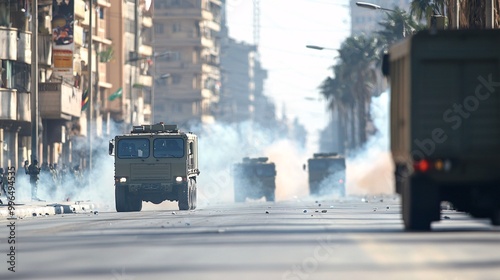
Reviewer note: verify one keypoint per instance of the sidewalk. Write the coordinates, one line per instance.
(43, 208)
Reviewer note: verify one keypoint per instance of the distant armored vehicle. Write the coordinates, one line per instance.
(326, 174)
(445, 123)
(254, 178)
(155, 163)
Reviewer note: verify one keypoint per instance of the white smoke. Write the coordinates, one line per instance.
(371, 170)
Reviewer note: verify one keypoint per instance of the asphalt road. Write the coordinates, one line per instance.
(354, 238)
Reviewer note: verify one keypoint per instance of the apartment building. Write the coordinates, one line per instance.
(131, 70)
(187, 31)
(65, 68)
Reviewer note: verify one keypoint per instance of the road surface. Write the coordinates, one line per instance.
(352, 238)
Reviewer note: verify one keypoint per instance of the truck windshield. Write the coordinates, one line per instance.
(168, 147)
(133, 148)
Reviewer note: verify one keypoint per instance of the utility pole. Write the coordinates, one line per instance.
(133, 65)
(490, 16)
(35, 112)
(454, 21)
(90, 88)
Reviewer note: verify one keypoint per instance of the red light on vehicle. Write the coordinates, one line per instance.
(422, 165)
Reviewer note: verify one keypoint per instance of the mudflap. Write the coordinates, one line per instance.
(420, 204)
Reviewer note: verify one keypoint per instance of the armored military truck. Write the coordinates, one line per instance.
(445, 123)
(254, 178)
(155, 163)
(326, 174)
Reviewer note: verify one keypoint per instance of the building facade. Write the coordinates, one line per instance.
(90, 66)
(188, 33)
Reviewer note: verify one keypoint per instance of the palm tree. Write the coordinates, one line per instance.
(352, 86)
(427, 8)
(397, 25)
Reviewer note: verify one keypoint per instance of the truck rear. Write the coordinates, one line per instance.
(155, 163)
(254, 178)
(445, 124)
(327, 174)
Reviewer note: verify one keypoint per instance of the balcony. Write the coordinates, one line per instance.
(78, 35)
(45, 50)
(59, 101)
(144, 81)
(207, 43)
(145, 50)
(104, 3)
(80, 9)
(179, 13)
(8, 43)
(147, 22)
(24, 47)
(8, 104)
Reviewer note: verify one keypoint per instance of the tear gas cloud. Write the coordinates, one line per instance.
(370, 171)
(221, 146)
(96, 186)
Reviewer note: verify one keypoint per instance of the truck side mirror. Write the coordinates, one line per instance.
(385, 65)
(111, 148)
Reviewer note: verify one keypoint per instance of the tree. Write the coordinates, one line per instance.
(397, 25)
(427, 8)
(353, 83)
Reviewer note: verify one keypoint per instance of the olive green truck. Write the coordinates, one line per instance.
(155, 163)
(445, 123)
(254, 178)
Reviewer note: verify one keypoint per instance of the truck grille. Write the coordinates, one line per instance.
(150, 172)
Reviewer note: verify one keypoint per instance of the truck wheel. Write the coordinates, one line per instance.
(184, 194)
(420, 205)
(239, 195)
(134, 203)
(121, 199)
(495, 217)
(194, 196)
(270, 196)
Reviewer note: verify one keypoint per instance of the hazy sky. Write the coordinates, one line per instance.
(295, 72)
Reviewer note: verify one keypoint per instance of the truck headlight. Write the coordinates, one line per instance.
(123, 179)
(178, 179)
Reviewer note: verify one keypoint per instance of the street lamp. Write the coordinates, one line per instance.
(372, 6)
(314, 47)
(377, 7)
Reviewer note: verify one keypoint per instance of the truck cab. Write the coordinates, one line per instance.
(155, 163)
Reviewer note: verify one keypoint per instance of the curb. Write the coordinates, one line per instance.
(23, 211)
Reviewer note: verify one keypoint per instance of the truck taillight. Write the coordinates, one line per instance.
(421, 165)
(425, 165)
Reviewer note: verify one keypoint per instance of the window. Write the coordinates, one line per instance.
(158, 28)
(176, 27)
(133, 148)
(176, 79)
(168, 148)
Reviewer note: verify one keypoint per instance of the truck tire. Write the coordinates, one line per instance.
(134, 203)
(184, 195)
(239, 195)
(121, 204)
(420, 204)
(193, 195)
(495, 217)
(270, 196)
